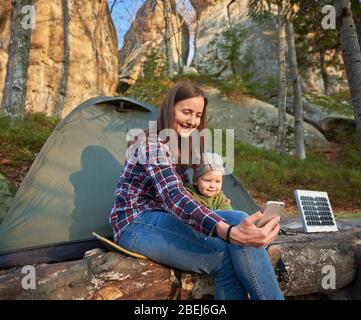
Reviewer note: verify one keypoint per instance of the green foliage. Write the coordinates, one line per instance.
(154, 66)
(231, 86)
(233, 83)
(347, 139)
(231, 51)
(201, 79)
(260, 11)
(232, 46)
(339, 102)
(152, 86)
(264, 90)
(312, 39)
(150, 91)
(275, 177)
(27, 136)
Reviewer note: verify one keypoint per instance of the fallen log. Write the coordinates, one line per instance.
(304, 268)
(105, 275)
(319, 263)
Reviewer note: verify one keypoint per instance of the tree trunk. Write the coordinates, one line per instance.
(65, 64)
(106, 276)
(167, 38)
(351, 57)
(282, 98)
(297, 94)
(308, 258)
(195, 43)
(356, 10)
(324, 74)
(178, 35)
(14, 91)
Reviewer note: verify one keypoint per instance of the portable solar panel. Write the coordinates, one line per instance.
(316, 211)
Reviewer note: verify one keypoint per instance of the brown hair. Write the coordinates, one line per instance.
(181, 91)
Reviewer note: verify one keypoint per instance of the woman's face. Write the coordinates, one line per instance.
(187, 115)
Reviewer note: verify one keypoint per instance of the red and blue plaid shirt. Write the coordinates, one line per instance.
(150, 181)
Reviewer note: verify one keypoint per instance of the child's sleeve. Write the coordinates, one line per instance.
(224, 203)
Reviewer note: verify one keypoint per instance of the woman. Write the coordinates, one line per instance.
(154, 215)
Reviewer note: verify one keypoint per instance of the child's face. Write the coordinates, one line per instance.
(210, 184)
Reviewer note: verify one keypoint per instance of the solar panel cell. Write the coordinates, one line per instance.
(316, 211)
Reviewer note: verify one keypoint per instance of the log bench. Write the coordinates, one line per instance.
(308, 262)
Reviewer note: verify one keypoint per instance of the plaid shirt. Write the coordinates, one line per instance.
(154, 183)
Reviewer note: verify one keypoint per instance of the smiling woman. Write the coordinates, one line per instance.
(155, 216)
(188, 115)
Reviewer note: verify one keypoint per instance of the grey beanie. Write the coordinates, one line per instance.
(211, 162)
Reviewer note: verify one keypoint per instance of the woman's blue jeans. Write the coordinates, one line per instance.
(240, 272)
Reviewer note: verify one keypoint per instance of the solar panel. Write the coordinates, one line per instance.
(316, 211)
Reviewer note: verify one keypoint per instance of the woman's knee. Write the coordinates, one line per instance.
(232, 216)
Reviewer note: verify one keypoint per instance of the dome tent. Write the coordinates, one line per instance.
(69, 190)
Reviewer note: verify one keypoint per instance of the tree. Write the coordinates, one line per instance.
(188, 22)
(154, 65)
(167, 37)
(59, 103)
(282, 83)
(262, 11)
(177, 34)
(233, 36)
(313, 40)
(14, 91)
(356, 10)
(300, 150)
(351, 56)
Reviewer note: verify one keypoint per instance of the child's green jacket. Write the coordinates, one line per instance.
(218, 202)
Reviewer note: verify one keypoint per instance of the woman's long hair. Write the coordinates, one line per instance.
(181, 91)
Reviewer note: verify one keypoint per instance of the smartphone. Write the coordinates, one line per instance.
(273, 209)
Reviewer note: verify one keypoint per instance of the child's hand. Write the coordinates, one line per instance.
(228, 201)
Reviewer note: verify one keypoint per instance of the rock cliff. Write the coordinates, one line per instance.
(257, 50)
(73, 54)
(260, 44)
(147, 32)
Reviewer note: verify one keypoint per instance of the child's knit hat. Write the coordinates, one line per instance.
(210, 162)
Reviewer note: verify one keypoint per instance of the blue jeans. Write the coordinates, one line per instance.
(237, 270)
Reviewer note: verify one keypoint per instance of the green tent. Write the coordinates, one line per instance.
(68, 192)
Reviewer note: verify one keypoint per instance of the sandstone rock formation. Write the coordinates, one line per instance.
(260, 42)
(255, 122)
(147, 32)
(5, 25)
(73, 54)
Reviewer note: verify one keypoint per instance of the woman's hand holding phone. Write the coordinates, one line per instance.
(273, 209)
(248, 234)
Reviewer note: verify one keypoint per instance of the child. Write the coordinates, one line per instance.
(207, 183)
